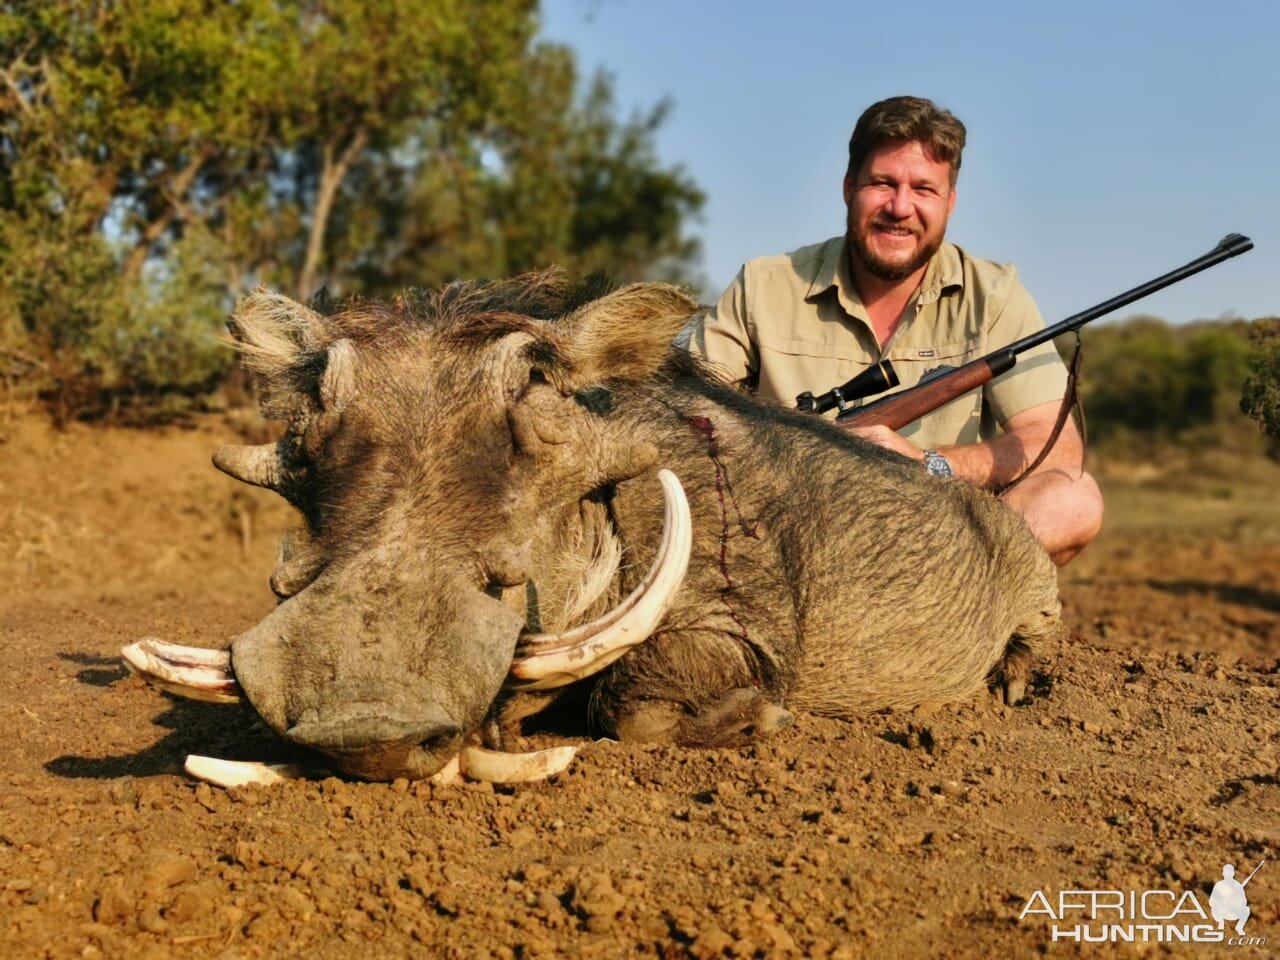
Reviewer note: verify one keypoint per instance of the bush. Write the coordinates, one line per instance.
(1260, 396)
(90, 342)
(1147, 383)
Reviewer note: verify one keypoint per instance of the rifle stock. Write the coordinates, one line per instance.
(900, 409)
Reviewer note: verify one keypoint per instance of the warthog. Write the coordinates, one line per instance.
(477, 471)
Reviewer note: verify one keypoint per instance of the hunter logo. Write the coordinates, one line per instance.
(1148, 916)
(1228, 900)
(925, 353)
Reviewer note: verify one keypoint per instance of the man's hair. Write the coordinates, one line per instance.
(904, 120)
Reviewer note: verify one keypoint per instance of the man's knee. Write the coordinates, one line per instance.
(1063, 510)
(1085, 504)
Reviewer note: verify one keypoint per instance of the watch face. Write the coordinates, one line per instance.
(936, 464)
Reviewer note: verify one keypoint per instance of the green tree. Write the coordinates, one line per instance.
(1148, 383)
(158, 159)
(1260, 395)
(1135, 379)
(110, 114)
(1217, 358)
(557, 181)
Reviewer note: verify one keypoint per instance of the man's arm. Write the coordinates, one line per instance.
(1059, 501)
(722, 337)
(994, 463)
(1024, 401)
(998, 461)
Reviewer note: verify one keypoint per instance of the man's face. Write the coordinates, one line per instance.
(898, 205)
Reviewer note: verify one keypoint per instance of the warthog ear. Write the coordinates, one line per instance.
(626, 334)
(275, 337)
(291, 353)
(304, 376)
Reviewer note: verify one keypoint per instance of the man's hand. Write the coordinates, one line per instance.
(993, 463)
(882, 436)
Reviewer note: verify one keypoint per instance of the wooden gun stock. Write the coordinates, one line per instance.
(899, 409)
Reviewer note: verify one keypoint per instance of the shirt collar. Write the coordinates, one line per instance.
(833, 271)
(945, 272)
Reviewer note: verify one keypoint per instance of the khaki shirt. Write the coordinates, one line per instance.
(794, 322)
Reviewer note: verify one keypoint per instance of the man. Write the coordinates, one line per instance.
(892, 288)
(1228, 900)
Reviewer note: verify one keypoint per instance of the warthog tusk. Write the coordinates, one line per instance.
(259, 465)
(449, 773)
(239, 773)
(206, 675)
(472, 762)
(544, 661)
(480, 764)
(191, 672)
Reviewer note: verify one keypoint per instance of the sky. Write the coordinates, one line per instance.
(1108, 142)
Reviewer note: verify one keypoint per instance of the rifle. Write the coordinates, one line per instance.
(943, 384)
(1250, 876)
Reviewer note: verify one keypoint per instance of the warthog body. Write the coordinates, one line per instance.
(469, 467)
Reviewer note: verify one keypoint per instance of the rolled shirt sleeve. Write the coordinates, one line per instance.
(721, 336)
(1039, 376)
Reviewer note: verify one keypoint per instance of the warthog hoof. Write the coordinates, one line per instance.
(736, 717)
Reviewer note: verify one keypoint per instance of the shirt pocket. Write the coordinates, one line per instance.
(789, 366)
(958, 421)
(844, 349)
(914, 361)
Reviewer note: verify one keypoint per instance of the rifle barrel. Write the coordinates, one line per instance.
(1250, 876)
(1232, 245)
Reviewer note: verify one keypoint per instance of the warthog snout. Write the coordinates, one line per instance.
(373, 741)
(383, 671)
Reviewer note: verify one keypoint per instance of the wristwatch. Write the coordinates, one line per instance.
(936, 465)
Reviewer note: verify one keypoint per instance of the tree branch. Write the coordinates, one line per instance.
(16, 92)
(21, 357)
(10, 75)
(331, 177)
(173, 194)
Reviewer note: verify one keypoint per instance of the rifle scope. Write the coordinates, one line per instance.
(869, 382)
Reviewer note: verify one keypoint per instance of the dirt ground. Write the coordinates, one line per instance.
(1146, 760)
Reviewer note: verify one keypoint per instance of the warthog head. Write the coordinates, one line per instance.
(432, 444)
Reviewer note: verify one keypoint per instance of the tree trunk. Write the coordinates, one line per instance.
(173, 194)
(331, 177)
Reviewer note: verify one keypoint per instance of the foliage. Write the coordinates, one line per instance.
(1146, 383)
(157, 160)
(1260, 397)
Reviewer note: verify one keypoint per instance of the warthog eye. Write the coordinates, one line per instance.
(597, 400)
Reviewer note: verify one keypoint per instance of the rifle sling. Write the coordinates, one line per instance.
(1070, 399)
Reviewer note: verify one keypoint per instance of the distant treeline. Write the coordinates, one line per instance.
(1147, 383)
(158, 160)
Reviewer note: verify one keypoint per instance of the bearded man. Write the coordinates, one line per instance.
(893, 288)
